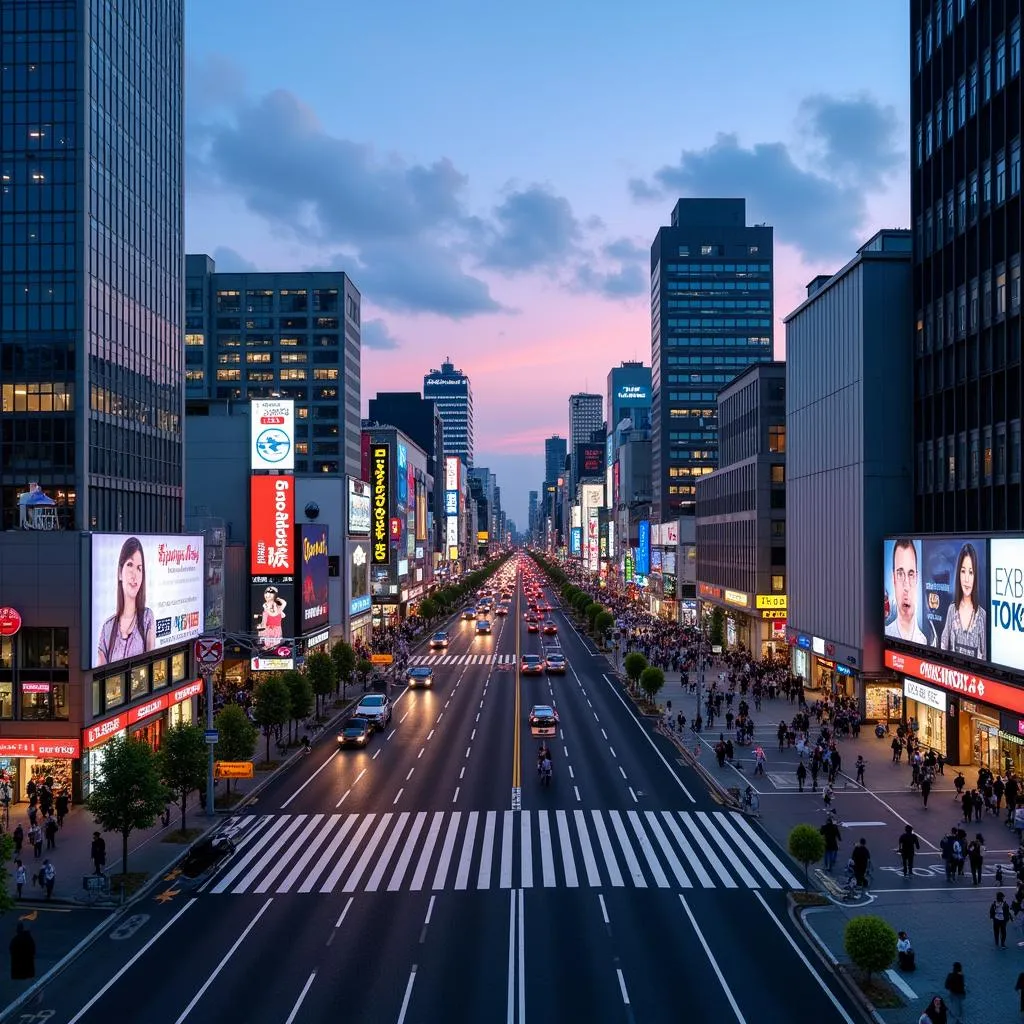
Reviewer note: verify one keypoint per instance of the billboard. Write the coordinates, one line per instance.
(147, 594)
(589, 460)
(358, 508)
(936, 593)
(359, 600)
(421, 510)
(271, 525)
(633, 394)
(451, 473)
(272, 434)
(380, 488)
(577, 516)
(452, 533)
(593, 557)
(643, 548)
(402, 473)
(272, 603)
(451, 503)
(313, 576)
(592, 496)
(611, 540)
(575, 540)
(1006, 588)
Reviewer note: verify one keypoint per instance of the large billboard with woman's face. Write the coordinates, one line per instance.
(147, 594)
(936, 593)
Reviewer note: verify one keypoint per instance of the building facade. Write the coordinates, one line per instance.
(450, 390)
(295, 335)
(711, 317)
(849, 477)
(741, 513)
(629, 395)
(586, 414)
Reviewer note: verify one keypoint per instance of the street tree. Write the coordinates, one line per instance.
(716, 634)
(807, 845)
(363, 670)
(301, 693)
(6, 857)
(323, 676)
(344, 657)
(652, 679)
(428, 610)
(603, 624)
(184, 760)
(128, 793)
(236, 736)
(870, 942)
(272, 706)
(634, 666)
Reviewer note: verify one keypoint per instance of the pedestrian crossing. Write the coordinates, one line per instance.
(413, 851)
(462, 659)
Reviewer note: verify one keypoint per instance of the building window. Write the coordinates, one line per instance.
(929, 467)
(1015, 288)
(961, 207)
(986, 456)
(1001, 178)
(950, 464)
(938, 225)
(927, 37)
(195, 339)
(1014, 167)
(986, 186)
(972, 91)
(229, 375)
(228, 358)
(949, 215)
(986, 300)
(938, 124)
(752, 250)
(229, 302)
(974, 306)
(986, 76)
(928, 140)
(918, 144)
(1014, 451)
(1000, 292)
(778, 584)
(961, 102)
(777, 439)
(949, 17)
(707, 250)
(999, 77)
(778, 476)
(972, 197)
(1015, 47)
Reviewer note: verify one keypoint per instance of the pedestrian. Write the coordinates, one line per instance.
(907, 844)
(861, 858)
(18, 835)
(926, 788)
(976, 855)
(20, 876)
(23, 954)
(98, 853)
(50, 830)
(905, 953)
(1019, 987)
(47, 876)
(860, 766)
(35, 837)
(999, 913)
(62, 803)
(801, 775)
(832, 835)
(957, 990)
(827, 794)
(935, 1012)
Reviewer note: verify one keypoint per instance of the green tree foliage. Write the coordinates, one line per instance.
(593, 610)
(344, 657)
(652, 679)
(6, 857)
(272, 706)
(363, 670)
(807, 845)
(300, 690)
(428, 609)
(603, 624)
(716, 633)
(128, 794)
(236, 736)
(870, 942)
(634, 665)
(323, 676)
(184, 760)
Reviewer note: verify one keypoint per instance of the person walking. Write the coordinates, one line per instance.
(832, 835)
(957, 991)
(801, 775)
(926, 788)
(976, 856)
(98, 853)
(35, 837)
(935, 1012)
(47, 877)
(20, 877)
(1000, 914)
(23, 954)
(860, 766)
(861, 858)
(908, 844)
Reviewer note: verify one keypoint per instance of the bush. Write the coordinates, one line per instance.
(807, 845)
(634, 665)
(870, 942)
(652, 679)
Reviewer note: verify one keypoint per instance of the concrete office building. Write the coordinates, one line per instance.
(741, 513)
(296, 335)
(450, 390)
(586, 414)
(711, 317)
(849, 470)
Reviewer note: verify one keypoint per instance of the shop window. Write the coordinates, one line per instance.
(178, 667)
(113, 691)
(35, 701)
(61, 648)
(778, 476)
(140, 681)
(37, 648)
(6, 652)
(6, 699)
(97, 697)
(160, 677)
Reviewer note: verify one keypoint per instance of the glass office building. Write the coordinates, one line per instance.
(450, 390)
(91, 207)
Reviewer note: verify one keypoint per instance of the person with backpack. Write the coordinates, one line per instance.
(957, 991)
(1000, 915)
(976, 855)
(47, 877)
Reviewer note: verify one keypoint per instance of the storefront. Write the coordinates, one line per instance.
(386, 615)
(145, 721)
(1011, 743)
(883, 701)
(30, 759)
(926, 709)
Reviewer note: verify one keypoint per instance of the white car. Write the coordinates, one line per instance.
(376, 709)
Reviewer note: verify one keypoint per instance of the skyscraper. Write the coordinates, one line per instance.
(296, 335)
(629, 395)
(451, 392)
(965, 96)
(555, 450)
(585, 416)
(90, 316)
(711, 317)
(534, 504)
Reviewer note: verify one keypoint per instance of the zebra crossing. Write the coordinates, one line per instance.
(413, 851)
(462, 659)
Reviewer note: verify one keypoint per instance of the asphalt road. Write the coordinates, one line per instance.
(430, 877)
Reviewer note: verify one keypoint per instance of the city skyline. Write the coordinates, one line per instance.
(525, 263)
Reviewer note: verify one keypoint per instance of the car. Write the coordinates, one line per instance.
(420, 676)
(533, 626)
(439, 640)
(483, 627)
(376, 709)
(531, 665)
(556, 664)
(206, 855)
(543, 720)
(355, 732)
(549, 627)
(502, 609)
(469, 613)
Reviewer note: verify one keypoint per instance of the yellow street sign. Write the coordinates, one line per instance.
(381, 659)
(232, 769)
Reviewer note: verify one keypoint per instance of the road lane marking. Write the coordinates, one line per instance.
(277, 828)
(339, 868)
(526, 850)
(447, 848)
(705, 847)
(373, 883)
(622, 771)
(633, 794)
(420, 754)
(376, 754)
(343, 798)
(408, 995)
(632, 864)
(522, 960)
(284, 806)
(622, 986)
(576, 790)
(351, 899)
(282, 863)
(604, 909)
(612, 749)
(456, 796)
(390, 734)
(737, 865)
(606, 849)
(462, 872)
(131, 963)
(411, 770)
(506, 851)
(310, 851)
(483, 880)
(298, 1002)
(740, 1019)
(429, 734)
(565, 845)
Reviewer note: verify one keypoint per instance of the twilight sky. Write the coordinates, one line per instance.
(492, 176)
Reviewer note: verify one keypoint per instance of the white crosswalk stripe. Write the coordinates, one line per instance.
(442, 850)
(462, 659)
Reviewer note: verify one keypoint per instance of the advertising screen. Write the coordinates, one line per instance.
(592, 496)
(577, 516)
(589, 460)
(272, 525)
(611, 540)
(147, 593)
(313, 576)
(575, 540)
(609, 451)
(451, 503)
(402, 473)
(358, 578)
(272, 434)
(936, 593)
(1007, 601)
(655, 560)
(380, 487)
(593, 556)
(358, 508)
(451, 473)
(272, 604)
(421, 510)
(643, 548)
(452, 532)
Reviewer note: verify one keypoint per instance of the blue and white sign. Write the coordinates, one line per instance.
(643, 549)
(272, 431)
(358, 605)
(575, 539)
(451, 503)
(402, 472)
(609, 451)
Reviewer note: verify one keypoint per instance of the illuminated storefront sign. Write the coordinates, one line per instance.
(100, 731)
(57, 749)
(380, 487)
(271, 525)
(707, 590)
(272, 433)
(738, 598)
(773, 601)
(956, 680)
(451, 473)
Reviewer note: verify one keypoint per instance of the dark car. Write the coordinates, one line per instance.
(420, 675)
(205, 855)
(556, 664)
(355, 732)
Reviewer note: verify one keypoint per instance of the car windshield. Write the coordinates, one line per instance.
(355, 725)
(421, 670)
(372, 702)
(543, 713)
(531, 659)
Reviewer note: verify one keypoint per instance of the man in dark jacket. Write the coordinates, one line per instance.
(908, 843)
(830, 830)
(23, 954)
(861, 858)
(98, 852)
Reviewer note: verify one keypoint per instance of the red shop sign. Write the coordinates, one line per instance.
(396, 528)
(100, 731)
(59, 749)
(955, 680)
(10, 621)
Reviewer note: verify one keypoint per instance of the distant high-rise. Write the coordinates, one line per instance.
(711, 318)
(555, 450)
(451, 392)
(585, 416)
(534, 505)
(629, 395)
(91, 219)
